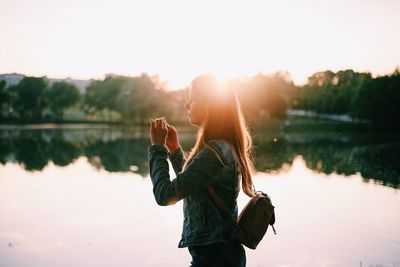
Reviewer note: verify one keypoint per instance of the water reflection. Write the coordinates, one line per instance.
(80, 216)
(76, 197)
(112, 149)
(374, 157)
(124, 150)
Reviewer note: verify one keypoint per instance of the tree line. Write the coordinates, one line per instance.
(136, 99)
(132, 99)
(32, 97)
(357, 94)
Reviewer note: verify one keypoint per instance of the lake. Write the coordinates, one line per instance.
(80, 195)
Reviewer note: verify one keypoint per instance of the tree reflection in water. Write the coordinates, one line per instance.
(122, 150)
(374, 157)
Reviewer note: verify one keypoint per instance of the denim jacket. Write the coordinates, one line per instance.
(204, 222)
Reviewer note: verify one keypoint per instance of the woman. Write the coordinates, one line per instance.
(221, 152)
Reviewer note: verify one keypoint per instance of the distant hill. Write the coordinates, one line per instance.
(15, 78)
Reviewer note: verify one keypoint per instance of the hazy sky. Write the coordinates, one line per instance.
(181, 39)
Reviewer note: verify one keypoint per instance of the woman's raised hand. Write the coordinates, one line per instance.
(158, 131)
(172, 141)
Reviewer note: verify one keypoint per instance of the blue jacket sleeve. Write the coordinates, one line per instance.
(201, 172)
(178, 160)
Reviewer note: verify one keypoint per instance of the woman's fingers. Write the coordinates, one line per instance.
(172, 130)
(163, 123)
(166, 123)
(160, 122)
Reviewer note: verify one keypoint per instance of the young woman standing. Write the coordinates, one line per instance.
(220, 161)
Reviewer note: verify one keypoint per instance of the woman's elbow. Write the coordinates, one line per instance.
(161, 202)
(164, 200)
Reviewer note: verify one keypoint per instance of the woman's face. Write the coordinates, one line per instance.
(195, 108)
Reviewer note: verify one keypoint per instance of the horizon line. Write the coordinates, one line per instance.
(374, 74)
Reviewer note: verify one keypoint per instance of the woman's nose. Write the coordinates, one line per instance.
(186, 106)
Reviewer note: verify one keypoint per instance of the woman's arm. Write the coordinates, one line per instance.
(176, 153)
(177, 159)
(200, 173)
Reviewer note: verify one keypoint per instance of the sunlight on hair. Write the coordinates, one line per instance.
(212, 86)
(221, 88)
(218, 83)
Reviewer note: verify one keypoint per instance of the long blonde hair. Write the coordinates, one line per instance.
(224, 120)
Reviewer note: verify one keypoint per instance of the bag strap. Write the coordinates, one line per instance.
(218, 200)
(220, 203)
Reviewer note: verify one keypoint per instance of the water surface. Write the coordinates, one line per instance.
(82, 197)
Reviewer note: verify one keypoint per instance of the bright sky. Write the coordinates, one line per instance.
(181, 39)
